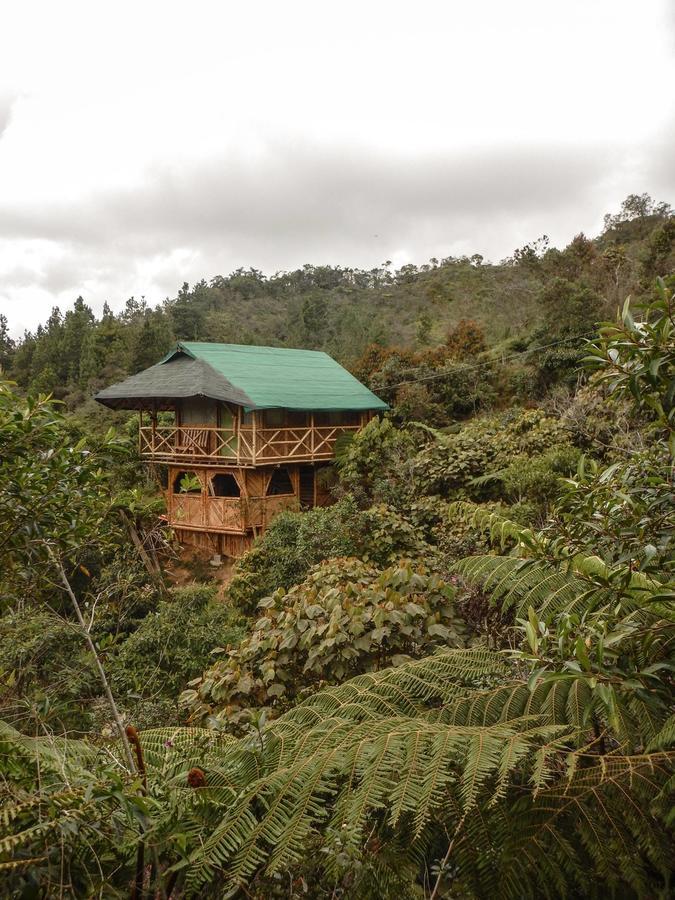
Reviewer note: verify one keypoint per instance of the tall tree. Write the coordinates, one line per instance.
(6, 345)
(77, 325)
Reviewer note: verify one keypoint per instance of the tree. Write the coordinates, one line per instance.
(151, 342)
(47, 356)
(6, 345)
(187, 316)
(56, 501)
(529, 255)
(637, 207)
(466, 339)
(77, 325)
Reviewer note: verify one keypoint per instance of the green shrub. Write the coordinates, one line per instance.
(295, 542)
(450, 464)
(538, 478)
(472, 462)
(376, 467)
(346, 618)
(44, 667)
(173, 644)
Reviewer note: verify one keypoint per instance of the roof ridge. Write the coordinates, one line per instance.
(255, 377)
(249, 348)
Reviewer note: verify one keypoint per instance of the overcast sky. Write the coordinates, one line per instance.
(146, 144)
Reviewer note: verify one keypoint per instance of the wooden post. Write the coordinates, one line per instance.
(312, 442)
(254, 437)
(154, 425)
(169, 494)
(237, 432)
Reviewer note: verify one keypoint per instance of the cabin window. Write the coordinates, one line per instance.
(187, 483)
(336, 417)
(273, 418)
(297, 418)
(225, 485)
(198, 411)
(280, 483)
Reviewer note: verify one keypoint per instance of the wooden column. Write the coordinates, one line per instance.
(236, 424)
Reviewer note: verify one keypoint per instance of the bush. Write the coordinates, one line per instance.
(449, 464)
(538, 478)
(376, 466)
(44, 666)
(346, 618)
(295, 542)
(473, 462)
(173, 644)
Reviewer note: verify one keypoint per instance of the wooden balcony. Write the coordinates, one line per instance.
(200, 512)
(208, 445)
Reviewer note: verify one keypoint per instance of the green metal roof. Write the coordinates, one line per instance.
(253, 377)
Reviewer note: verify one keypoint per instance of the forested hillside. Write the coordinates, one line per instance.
(454, 682)
(537, 295)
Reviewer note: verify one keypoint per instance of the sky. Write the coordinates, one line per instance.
(146, 144)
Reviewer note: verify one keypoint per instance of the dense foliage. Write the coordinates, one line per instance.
(294, 543)
(455, 682)
(392, 327)
(345, 618)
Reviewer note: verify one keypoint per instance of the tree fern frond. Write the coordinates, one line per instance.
(403, 766)
(522, 584)
(497, 526)
(664, 738)
(162, 746)
(603, 810)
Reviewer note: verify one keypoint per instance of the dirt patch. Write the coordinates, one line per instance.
(193, 566)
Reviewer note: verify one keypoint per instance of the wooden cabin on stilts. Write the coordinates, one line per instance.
(243, 432)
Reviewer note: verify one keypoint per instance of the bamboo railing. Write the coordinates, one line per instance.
(226, 514)
(209, 445)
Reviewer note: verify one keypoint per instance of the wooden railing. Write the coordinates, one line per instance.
(208, 445)
(190, 443)
(227, 514)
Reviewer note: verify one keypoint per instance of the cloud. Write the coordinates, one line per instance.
(658, 162)
(297, 197)
(294, 202)
(6, 103)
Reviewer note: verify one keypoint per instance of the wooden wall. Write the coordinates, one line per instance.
(228, 525)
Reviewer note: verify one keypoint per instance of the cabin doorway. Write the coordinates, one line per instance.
(307, 487)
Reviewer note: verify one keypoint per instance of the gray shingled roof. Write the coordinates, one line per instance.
(161, 384)
(252, 377)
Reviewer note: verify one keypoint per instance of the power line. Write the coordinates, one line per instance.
(576, 337)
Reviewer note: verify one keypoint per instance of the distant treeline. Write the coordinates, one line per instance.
(537, 295)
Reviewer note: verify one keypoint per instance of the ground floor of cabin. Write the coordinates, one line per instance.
(223, 509)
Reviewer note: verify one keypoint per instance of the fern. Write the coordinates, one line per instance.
(521, 583)
(499, 528)
(362, 771)
(419, 755)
